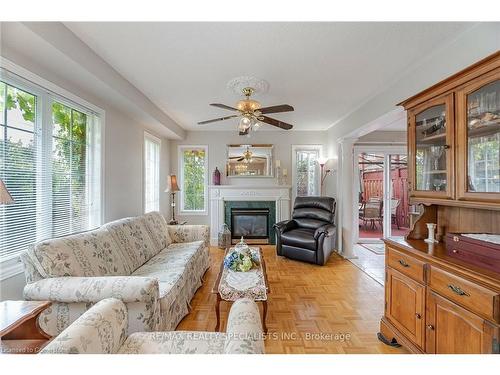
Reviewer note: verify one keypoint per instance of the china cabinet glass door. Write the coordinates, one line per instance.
(431, 139)
(479, 139)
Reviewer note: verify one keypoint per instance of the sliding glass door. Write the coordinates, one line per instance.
(381, 203)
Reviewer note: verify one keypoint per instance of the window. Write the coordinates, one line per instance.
(305, 170)
(193, 167)
(151, 173)
(49, 162)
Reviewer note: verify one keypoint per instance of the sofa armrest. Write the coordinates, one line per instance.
(93, 289)
(100, 330)
(328, 230)
(244, 333)
(285, 226)
(189, 233)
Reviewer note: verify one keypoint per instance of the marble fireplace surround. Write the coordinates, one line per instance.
(218, 194)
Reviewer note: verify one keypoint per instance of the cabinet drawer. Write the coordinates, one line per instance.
(482, 301)
(405, 264)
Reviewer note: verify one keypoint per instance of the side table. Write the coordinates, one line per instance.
(19, 329)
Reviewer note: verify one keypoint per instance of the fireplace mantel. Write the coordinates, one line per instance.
(221, 193)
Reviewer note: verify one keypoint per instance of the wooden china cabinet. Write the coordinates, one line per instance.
(437, 301)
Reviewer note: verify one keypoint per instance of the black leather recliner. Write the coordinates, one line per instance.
(311, 234)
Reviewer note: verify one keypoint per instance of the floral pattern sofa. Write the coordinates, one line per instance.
(154, 268)
(103, 330)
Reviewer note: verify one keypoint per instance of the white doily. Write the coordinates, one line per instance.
(242, 280)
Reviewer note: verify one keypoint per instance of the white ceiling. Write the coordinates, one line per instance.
(324, 70)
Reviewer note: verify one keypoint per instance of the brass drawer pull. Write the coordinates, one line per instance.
(418, 316)
(403, 263)
(430, 327)
(457, 290)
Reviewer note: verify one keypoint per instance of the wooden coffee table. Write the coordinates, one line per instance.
(215, 290)
(19, 329)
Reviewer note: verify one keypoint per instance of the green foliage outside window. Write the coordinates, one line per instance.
(18, 164)
(69, 164)
(193, 185)
(17, 167)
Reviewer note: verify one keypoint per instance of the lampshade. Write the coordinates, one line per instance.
(5, 197)
(244, 124)
(172, 186)
(322, 161)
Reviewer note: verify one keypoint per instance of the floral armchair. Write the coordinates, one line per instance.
(102, 330)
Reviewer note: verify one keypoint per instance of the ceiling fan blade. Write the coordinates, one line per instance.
(276, 109)
(277, 123)
(241, 159)
(217, 119)
(223, 106)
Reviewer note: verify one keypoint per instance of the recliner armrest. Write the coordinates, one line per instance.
(285, 226)
(327, 230)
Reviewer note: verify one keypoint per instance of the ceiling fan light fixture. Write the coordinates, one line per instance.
(245, 123)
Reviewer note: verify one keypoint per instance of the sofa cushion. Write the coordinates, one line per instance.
(300, 237)
(173, 257)
(176, 342)
(157, 229)
(93, 253)
(169, 268)
(133, 238)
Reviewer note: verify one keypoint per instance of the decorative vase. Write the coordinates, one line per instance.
(216, 177)
(224, 238)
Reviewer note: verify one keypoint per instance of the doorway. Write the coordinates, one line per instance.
(380, 204)
(381, 193)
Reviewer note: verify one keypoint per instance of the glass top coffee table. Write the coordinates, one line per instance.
(231, 285)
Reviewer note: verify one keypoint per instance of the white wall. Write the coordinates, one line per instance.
(124, 167)
(385, 137)
(217, 141)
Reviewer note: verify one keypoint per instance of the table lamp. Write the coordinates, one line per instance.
(5, 197)
(172, 188)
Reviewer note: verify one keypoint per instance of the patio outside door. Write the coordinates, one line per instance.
(382, 193)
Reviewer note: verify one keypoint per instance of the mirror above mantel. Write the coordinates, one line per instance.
(250, 161)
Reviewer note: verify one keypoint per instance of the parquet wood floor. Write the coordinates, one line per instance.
(306, 301)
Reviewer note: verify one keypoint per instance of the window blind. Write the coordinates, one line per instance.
(151, 173)
(50, 163)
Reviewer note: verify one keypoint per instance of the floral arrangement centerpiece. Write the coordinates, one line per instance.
(241, 258)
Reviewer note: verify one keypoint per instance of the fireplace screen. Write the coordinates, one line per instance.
(252, 224)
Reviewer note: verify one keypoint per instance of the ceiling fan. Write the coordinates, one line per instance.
(252, 113)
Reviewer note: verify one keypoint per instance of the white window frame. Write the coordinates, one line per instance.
(296, 148)
(180, 159)
(150, 137)
(24, 79)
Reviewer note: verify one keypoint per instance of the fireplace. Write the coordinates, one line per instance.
(251, 223)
